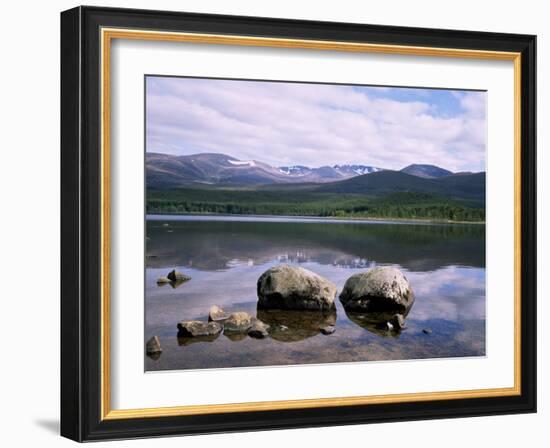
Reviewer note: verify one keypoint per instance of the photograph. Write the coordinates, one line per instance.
(294, 223)
(291, 221)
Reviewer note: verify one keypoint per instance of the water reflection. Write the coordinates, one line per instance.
(292, 326)
(376, 323)
(173, 283)
(154, 356)
(235, 336)
(218, 245)
(184, 341)
(444, 264)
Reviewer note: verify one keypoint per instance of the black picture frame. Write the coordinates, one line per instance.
(81, 224)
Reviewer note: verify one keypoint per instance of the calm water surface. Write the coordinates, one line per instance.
(445, 265)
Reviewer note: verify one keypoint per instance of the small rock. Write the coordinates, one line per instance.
(258, 330)
(153, 346)
(329, 329)
(161, 281)
(216, 314)
(398, 322)
(239, 322)
(427, 331)
(177, 277)
(196, 328)
(389, 326)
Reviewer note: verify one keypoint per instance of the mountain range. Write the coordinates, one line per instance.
(212, 169)
(221, 184)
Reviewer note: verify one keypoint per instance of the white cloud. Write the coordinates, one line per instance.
(313, 124)
(453, 293)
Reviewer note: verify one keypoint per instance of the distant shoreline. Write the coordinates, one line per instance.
(298, 218)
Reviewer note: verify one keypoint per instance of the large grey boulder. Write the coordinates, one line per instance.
(380, 289)
(294, 288)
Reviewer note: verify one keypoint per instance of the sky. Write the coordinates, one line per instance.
(283, 123)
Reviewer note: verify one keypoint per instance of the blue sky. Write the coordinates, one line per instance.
(317, 124)
(445, 103)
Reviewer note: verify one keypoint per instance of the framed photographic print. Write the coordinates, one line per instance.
(273, 223)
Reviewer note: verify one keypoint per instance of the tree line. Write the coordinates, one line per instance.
(397, 205)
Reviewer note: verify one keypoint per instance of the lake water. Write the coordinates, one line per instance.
(444, 263)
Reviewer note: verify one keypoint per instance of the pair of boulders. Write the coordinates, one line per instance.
(382, 289)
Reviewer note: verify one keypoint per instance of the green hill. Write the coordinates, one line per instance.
(466, 187)
(383, 194)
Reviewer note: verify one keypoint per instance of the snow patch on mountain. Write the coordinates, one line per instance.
(294, 170)
(358, 170)
(242, 162)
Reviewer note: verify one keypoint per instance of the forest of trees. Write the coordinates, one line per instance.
(257, 202)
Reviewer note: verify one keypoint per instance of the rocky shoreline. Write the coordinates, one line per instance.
(295, 303)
